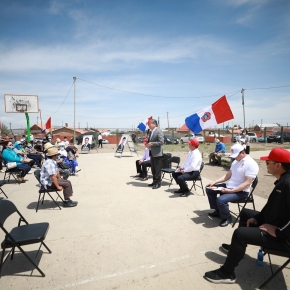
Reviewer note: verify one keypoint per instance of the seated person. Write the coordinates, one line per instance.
(50, 177)
(143, 163)
(33, 154)
(86, 145)
(216, 156)
(9, 155)
(268, 228)
(61, 150)
(242, 173)
(189, 169)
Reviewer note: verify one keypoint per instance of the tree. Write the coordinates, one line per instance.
(4, 129)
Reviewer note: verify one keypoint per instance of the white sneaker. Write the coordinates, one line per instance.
(2, 170)
(77, 169)
(30, 172)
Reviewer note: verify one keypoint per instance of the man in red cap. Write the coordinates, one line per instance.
(269, 228)
(189, 169)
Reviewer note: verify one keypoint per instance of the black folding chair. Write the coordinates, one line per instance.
(13, 171)
(175, 160)
(198, 178)
(243, 202)
(21, 235)
(2, 182)
(277, 253)
(42, 191)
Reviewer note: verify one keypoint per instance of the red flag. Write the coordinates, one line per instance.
(47, 125)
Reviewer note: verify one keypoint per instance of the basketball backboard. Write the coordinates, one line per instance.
(21, 103)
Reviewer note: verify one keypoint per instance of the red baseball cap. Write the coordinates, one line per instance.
(279, 155)
(193, 142)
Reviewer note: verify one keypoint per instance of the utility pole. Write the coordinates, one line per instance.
(37, 120)
(243, 103)
(74, 139)
(167, 121)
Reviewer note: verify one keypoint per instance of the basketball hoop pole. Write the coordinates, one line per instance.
(28, 127)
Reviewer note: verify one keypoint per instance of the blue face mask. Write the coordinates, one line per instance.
(58, 158)
(11, 147)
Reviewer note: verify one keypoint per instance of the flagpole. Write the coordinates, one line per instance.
(243, 103)
(74, 109)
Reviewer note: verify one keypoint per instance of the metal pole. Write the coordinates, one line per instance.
(243, 103)
(74, 139)
(167, 121)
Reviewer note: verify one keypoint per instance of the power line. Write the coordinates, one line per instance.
(153, 96)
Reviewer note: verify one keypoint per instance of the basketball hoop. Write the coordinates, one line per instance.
(21, 108)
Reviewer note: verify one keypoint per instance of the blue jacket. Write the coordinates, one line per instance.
(10, 155)
(219, 147)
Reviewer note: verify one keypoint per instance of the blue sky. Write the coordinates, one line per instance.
(183, 55)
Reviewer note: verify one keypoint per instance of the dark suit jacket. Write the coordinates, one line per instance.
(86, 146)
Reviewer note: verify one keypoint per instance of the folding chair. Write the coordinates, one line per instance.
(2, 182)
(12, 171)
(198, 178)
(277, 253)
(21, 235)
(44, 190)
(249, 199)
(173, 159)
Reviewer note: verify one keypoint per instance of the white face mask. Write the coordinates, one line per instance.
(61, 148)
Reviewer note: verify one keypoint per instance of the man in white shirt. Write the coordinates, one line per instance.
(189, 169)
(242, 173)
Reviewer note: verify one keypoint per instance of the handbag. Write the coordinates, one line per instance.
(11, 165)
(63, 165)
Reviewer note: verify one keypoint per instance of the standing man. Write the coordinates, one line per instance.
(269, 228)
(155, 142)
(65, 142)
(242, 173)
(100, 140)
(189, 169)
(216, 156)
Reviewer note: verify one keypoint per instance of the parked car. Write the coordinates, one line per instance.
(253, 137)
(104, 141)
(187, 137)
(276, 137)
(141, 139)
(168, 139)
(199, 138)
(237, 138)
(261, 139)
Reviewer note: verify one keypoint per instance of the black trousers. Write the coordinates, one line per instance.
(156, 168)
(181, 178)
(244, 236)
(100, 143)
(142, 169)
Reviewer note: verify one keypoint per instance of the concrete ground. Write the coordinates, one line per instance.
(124, 235)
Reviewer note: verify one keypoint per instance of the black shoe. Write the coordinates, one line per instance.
(226, 221)
(138, 175)
(179, 191)
(214, 214)
(218, 276)
(185, 194)
(144, 178)
(76, 202)
(69, 203)
(225, 248)
(151, 184)
(157, 185)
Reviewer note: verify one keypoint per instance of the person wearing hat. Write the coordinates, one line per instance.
(216, 156)
(50, 177)
(189, 169)
(269, 228)
(239, 178)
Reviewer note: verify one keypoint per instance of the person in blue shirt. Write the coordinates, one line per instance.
(9, 155)
(216, 156)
